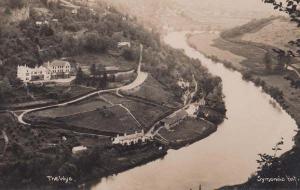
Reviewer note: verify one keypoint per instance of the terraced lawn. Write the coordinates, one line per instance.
(110, 119)
(154, 91)
(85, 106)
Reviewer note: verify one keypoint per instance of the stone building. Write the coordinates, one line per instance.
(131, 139)
(48, 71)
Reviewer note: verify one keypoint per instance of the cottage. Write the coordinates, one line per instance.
(38, 23)
(183, 84)
(175, 119)
(46, 72)
(78, 149)
(132, 138)
(74, 11)
(124, 44)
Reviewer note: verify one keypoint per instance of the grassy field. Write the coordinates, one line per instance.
(43, 95)
(188, 131)
(277, 34)
(85, 106)
(104, 113)
(111, 119)
(154, 91)
(146, 114)
(253, 54)
(252, 41)
(245, 46)
(204, 42)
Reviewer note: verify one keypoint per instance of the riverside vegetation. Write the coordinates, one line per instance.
(270, 61)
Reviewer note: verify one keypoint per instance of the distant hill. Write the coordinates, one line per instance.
(194, 14)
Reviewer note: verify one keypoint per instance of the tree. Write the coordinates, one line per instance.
(103, 82)
(71, 45)
(291, 7)
(14, 4)
(46, 31)
(79, 76)
(93, 42)
(268, 61)
(284, 58)
(129, 54)
(270, 165)
(5, 89)
(93, 69)
(17, 149)
(209, 84)
(275, 93)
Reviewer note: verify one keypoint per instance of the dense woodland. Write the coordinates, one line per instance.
(88, 31)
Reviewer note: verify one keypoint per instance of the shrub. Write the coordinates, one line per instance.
(247, 75)
(16, 4)
(275, 92)
(129, 54)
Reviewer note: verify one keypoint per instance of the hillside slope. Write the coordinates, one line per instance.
(88, 38)
(89, 33)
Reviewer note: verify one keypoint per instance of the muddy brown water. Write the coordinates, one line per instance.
(226, 157)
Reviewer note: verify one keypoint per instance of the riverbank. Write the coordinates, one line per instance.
(84, 169)
(188, 132)
(275, 85)
(248, 58)
(100, 160)
(252, 67)
(224, 157)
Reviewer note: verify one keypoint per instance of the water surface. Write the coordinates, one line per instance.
(226, 157)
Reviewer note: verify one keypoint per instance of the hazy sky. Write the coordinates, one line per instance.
(220, 14)
(238, 8)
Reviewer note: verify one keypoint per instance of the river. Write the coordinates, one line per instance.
(228, 156)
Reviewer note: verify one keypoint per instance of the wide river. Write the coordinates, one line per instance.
(255, 123)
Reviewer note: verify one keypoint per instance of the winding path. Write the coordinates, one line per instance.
(6, 141)
(140, 79)
(124, 107)
(225, 157)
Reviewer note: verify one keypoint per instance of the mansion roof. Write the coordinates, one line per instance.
(57, 63)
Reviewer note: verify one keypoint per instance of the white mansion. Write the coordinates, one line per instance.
(51, 70)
